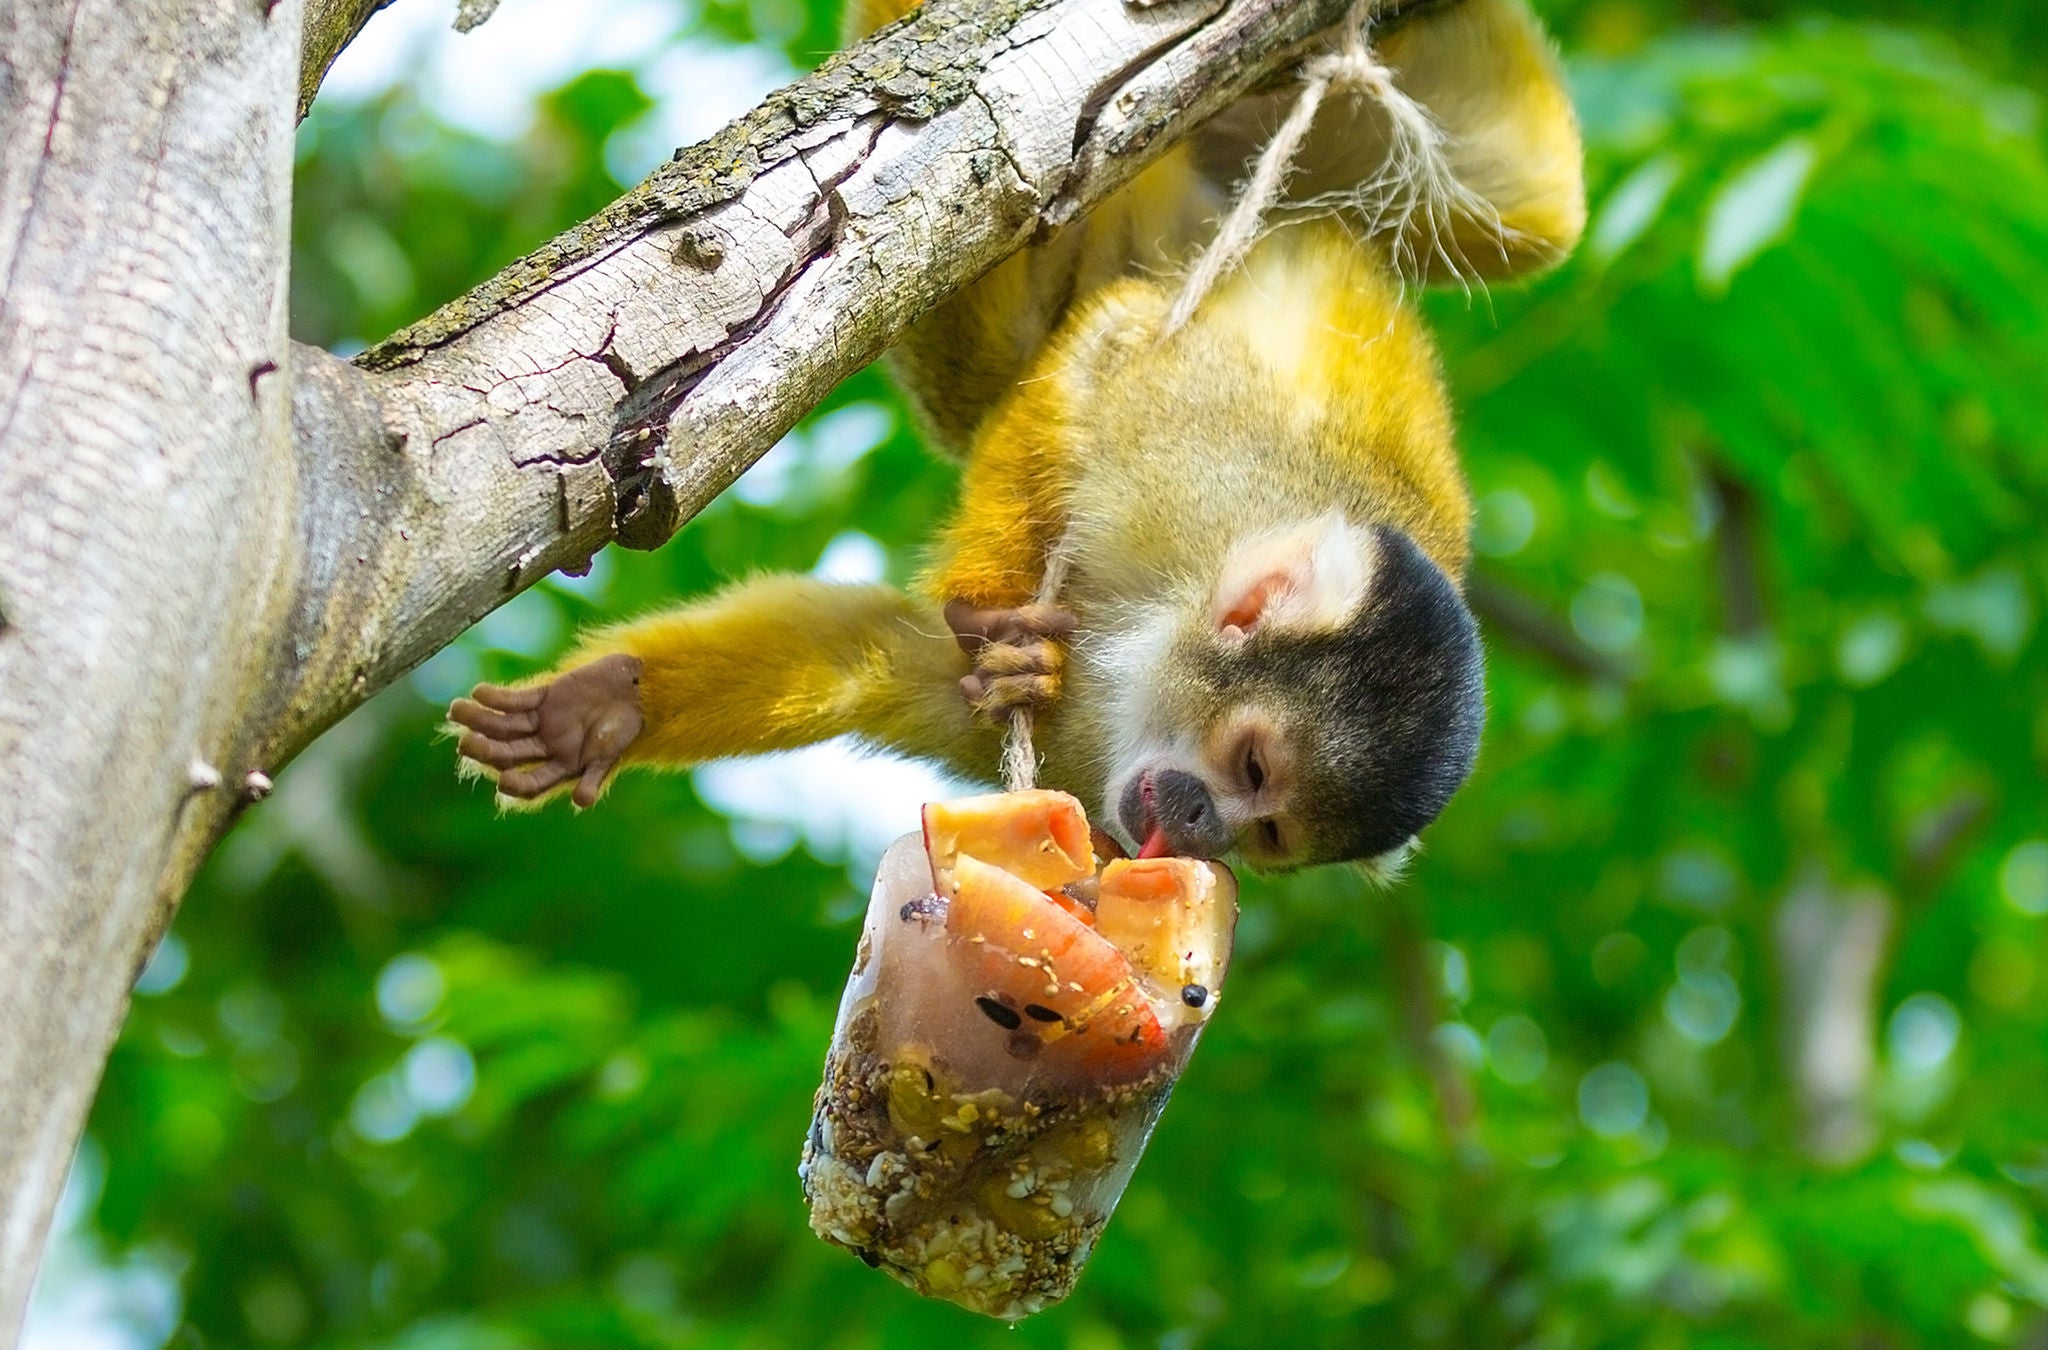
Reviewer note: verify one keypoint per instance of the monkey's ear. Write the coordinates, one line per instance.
(1306, 577)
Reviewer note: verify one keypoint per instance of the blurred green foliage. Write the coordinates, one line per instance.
(1763, 471)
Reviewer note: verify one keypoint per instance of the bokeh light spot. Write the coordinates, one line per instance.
(1613, 1099)
(409, 990)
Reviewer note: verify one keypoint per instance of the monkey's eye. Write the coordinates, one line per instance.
(1254, 772)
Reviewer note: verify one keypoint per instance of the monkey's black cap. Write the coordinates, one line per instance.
(1387, 708)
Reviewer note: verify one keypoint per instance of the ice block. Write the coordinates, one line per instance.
(1012, 1028)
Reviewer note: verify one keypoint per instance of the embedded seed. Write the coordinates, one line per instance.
(1039, 1012)
(1194, 995)
(1006, 1018)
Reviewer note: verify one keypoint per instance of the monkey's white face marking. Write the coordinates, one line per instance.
(1313, 575)
(1123, 663)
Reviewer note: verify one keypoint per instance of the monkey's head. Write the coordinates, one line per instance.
(1321, 706)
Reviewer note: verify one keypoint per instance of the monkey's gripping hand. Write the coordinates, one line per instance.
(1018, 655)
(576, 726)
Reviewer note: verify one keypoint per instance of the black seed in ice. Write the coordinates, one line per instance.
(1006, 1018)
(1040, 1013)
(1194, 995)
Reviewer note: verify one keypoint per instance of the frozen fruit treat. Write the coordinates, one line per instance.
(1014, 1023)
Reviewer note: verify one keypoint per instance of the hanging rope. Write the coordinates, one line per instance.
(1020, 757)
(1417, 180)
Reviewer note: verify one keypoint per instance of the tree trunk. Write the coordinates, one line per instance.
(213, 544)
(146, 512)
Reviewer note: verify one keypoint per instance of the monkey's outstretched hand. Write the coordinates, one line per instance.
(1018, 654)
(576, 726)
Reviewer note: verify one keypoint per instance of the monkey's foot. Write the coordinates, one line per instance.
(576, 726)
(1018, 655)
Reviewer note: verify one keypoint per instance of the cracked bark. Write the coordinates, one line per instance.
(214, 544)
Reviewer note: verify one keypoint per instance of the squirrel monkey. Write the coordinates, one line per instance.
(1261, 642)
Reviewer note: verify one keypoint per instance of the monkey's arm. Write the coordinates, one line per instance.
(1012, 511)
(990, 560)
(770, 664)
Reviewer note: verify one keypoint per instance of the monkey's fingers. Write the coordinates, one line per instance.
(604, 745)
(501, 725)
(999, 659)
(502, 754)
(974, 628)
(1045, 621)
(526, 784)
(505, 700)
(1002, 696)
(591, 785)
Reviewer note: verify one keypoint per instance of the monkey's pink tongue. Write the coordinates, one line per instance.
(1155, 845)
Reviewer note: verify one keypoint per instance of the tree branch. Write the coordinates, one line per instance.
(332, 24)
(1831, 946)
(329, 27)
(1738, 556)
(1830, 941)
(1521, 619)
(612, 383)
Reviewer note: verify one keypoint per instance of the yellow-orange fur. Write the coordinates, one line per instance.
(1303, 384)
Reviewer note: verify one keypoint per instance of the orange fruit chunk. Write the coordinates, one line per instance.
(1173, 917)
(1039, 836)
(1039, 970)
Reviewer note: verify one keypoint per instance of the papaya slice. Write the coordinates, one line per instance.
(1039, 836)
(1173, 918)
(1040, 972)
